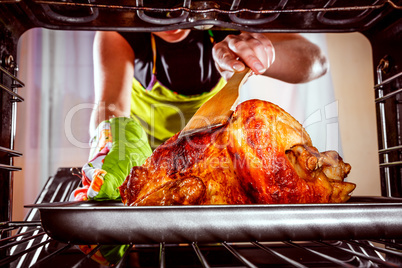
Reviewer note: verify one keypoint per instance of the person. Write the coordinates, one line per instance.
(148, 85)
(287, 57)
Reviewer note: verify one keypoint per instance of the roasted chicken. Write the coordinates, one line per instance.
(262, 156)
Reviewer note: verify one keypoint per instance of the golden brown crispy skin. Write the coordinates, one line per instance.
(263, 155)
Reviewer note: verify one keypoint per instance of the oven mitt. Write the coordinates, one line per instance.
(119, 144)
(107, 255)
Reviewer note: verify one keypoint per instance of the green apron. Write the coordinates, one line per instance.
(161, 111)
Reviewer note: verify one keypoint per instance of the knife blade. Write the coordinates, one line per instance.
(217, 110)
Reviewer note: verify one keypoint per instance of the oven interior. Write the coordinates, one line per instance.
(25, 244)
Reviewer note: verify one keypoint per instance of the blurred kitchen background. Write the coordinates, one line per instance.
(337, 110)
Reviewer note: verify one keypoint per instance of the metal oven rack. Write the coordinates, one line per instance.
(32, 247)
(389, 109)
(157, 15)
(9, 84)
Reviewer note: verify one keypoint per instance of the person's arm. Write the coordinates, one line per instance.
(113, 76)
(118, 142)
(285, 56)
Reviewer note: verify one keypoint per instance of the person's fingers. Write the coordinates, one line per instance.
(247, 49)
(255, 50)
(264, 50)
(225, 58)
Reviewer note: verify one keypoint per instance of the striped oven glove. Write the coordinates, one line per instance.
(119, 144)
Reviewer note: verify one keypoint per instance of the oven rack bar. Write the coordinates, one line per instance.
(162, 259)
(238, 255)
(389, 164)
(379, 86)
(35, 249)
(16, 83)
(12, 93)
(389, 95)
(331, 259)
(200, 256)
(9, 167)
(390, 149)
(279, 255)
(388, 80)
(10, 151)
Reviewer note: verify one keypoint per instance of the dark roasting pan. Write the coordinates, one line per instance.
(113, 223)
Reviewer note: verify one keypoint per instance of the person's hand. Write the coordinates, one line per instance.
(119, 144)
(236, 51)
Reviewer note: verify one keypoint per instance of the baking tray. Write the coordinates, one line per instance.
(114, 223)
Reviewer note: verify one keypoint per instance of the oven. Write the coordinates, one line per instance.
(365, 232)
